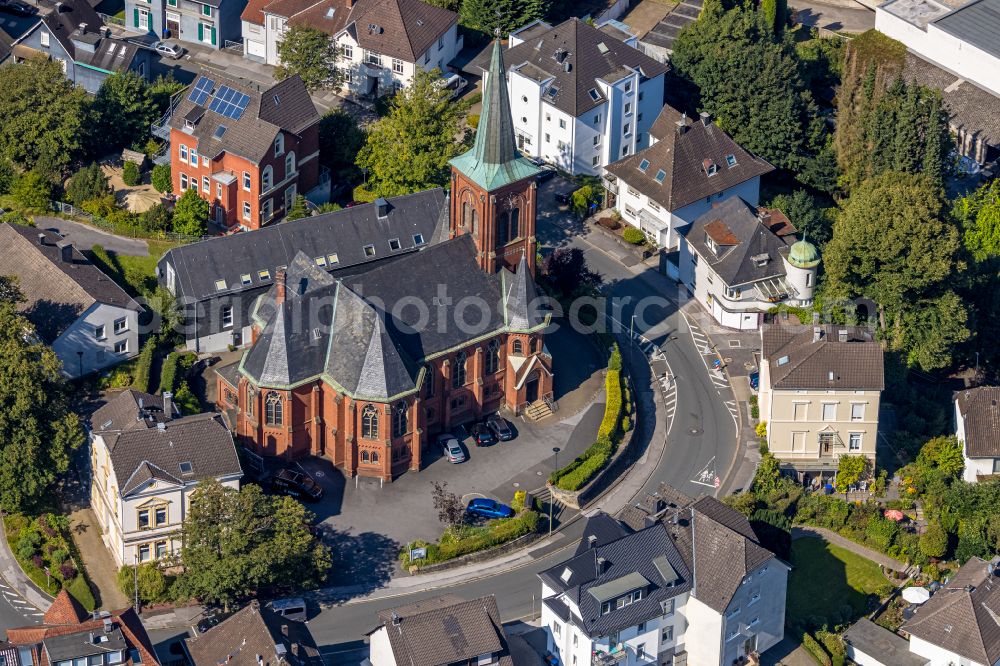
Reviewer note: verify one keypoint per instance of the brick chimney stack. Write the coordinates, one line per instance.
(279, 283)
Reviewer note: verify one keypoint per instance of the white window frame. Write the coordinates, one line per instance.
(247, 210)
(829, 406)
(226, 313)
(246, 181)
(120, 325)
(182, 153)
(43, 38)
(121, 347)
(855, 406)
(855, 436)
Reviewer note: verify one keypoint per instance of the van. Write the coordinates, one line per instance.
(453, 82)
(290, 609)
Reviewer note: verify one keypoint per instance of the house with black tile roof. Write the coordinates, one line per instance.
(146, 460)
(672, 581)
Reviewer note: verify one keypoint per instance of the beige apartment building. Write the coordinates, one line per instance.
(819, 393)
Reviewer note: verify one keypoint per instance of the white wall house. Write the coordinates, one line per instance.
(580, 96)
(977, 427)
(381, 45)
(690, 166)
(145, 467)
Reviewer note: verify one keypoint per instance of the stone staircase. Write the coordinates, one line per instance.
(538, 410)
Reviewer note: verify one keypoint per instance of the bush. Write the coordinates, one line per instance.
(58, 556)
(161, 179)
(834, 645)
(131, 174)
(80, 590)
(156, 218)
(32, 191)
(364, 195)
(473, 120)
(615, 362)
(934, 542)
(459, 541)
(186, 400)
(86, 184)
(152, 582)
(761, 430)
(634, 236)
(815, 649)
(144, 365)
(586, 470)
(7, 175)
(518, 502)
(175, 362)
(612, 406)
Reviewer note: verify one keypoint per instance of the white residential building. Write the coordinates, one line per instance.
(977, 427)
(689, 166)
(146, 461)
(581, 96)
(382, 43)
(663, 586)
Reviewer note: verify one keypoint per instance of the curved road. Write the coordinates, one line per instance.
(702, 438)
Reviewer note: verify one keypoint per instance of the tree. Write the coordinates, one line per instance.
(449, 506)
(124, 112)
(191, 214)
(131, 175)
(38, 432)
(33, 191)
(934, 542)
(310, 53)
(979, 214)
(86, 184)
(162, 89)
(567, 271)
(340, 140)
(806, 214)
(298, 210)
(156, 218)
(501, 16)
(850, 470)
(236, 542)
(42, 116)
(768, 473)
(151, 581)
(894, 243)
(408, 150)
(7, 175)
(161, 179)
(943, 453)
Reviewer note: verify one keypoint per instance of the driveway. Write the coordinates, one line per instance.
(840, 16)
(85, 237)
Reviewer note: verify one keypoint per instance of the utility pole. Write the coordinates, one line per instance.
(631, 340)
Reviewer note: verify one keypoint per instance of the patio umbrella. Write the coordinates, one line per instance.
(894, 514)
(916, 595)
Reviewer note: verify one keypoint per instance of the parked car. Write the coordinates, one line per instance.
(482, 435)
(297, 484)
(290, 609)
(169, 49)
(451, 448)
(487, 508)
(566, 196)
(755, 380)
(547, 172)
(17, 8)
(453, 82)
(500, 428)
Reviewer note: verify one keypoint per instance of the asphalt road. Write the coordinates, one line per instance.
(85, 237)
(842, 16)
(15, 612)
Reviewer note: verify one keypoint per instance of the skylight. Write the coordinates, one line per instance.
(321, 261)
(219, 131)
(418, 239)
(594, 95)
(264, 274)
(565, 575)
(552, 91)
(369, 250)
(643, 165)
(332, 259)
(186, 467)
(783, 360)
(731, 160)
(245, 278)
(220, 285)
(394, 244)
(660, 175)
(602, 47)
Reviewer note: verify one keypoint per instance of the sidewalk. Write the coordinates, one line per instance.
(101, 568)
(13, 576)
(805, 532)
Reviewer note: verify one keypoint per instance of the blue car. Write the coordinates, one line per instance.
(488, 508)
(755, 380)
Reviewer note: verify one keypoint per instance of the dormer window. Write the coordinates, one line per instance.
(594, 95)
(565, 575)
(712, 245)
(711, 168)
(760, 260)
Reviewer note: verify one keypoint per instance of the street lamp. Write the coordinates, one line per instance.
(135, 573)
(552, 500)
(631, 340)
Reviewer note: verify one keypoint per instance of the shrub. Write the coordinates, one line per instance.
(364, 195)
(186, 400)
(934, 542)
(80, 590)
(161, 179)
(175, 362)
(518, 502)
(131, 174)
(86, 184)
(156, 218)
(815, 649)
(58, 556)
(473, 120)
(456, 542)
(583, 473)
(67, 571)
(144, 365)
(615, 361)
(612, 406)
(32, 191)
(834, 645)
(633, 236)
(761, 430)
(152, 582)
(626, 424)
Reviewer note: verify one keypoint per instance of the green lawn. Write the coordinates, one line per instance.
(826, 579)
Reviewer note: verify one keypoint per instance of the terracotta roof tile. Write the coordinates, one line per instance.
(65, 610)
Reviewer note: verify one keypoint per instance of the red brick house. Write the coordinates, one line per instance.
(247, 150)
(364, 369)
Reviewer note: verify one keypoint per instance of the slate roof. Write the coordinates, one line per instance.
(251, 633)
(76, 637)
(284, 106)
(350, 332)
(344, 233)
(665, 32)
(56, 292)
(962, 617)
(795, 361)
(977, 23)
(145, 445)
(980, 409)
(742, 235)
(682, 157)
(587, 62)
(89, 47)
(445, 630)
(885, 646)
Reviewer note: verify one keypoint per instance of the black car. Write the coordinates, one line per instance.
(500, 428)
(482, 435)
(565, 197)
(297, 484)
(547, 171)
(17, 8)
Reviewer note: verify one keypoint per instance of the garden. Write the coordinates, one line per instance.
(48, 556)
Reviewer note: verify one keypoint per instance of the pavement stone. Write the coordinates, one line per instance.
(101, 568)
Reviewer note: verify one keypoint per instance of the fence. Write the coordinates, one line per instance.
(230, 45)
(120, 228)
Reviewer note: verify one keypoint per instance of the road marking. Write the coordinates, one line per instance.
(707, 476)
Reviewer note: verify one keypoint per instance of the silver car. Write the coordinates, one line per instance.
(169, 50)
(451, 448)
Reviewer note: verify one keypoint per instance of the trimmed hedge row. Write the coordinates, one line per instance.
(144, 365)
(576, 474)
(815, 650)
(176, 362)
(456, 542)
(613, 405)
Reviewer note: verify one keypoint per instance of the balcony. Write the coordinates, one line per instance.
(617, 655)
(610, 183)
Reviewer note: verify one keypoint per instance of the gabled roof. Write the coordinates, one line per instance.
(980, 409)
(65, 610)
(403, 29)
(63, 641)
(590, 55)
(964, 616)
(748, 250)
(339, 238)
(285, 106)
(682, 157)
(445, 630)
(255, 636)
(56, 292)
(89, 46)
(797, 360)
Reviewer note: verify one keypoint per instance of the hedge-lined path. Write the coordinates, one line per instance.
(101, 568)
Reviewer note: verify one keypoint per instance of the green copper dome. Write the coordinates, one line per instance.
(803, 254)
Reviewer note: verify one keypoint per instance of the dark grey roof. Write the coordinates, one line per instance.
(445, 630)
(664, 33)
(604, 529)
(797, 361)
(881, 644)
(344, 233)
(255, 633)
(523, 313)
(251, 135)
(682, 157)
(980, 409)
(742, 238)
(90, 47)
(962, 616)
(588, 61)
(977, 23)
(230, 373)
(407, 28)
(144, 445)
(81, 644)
(56, 292)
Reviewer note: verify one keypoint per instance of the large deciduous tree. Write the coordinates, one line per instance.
(124, 111)
(340, 139)
(87, 183)
(42, 116)
(191, 214)
(895, 244)
(38, 432)
(236, 542)
(501, 16)
(310, 53)
(408, 150)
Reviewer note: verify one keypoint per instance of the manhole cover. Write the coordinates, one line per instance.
(517, 485)
(748, 366)
(538, 473)
(728, 360)
(694, 431)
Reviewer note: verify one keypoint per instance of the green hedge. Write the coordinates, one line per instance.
(612, 406)
(633, 236)
(174, 367)
(42, 542)
(80, 590)
(364, 195)
(815, 650)
(144, 365)
(834, 644)
(456, 542)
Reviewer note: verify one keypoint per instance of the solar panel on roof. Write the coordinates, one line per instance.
(229, 103)
(202, 89)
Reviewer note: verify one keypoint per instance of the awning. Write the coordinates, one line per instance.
(774, 289)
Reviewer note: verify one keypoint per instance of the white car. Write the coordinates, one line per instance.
(451, 448)
(453, 82)
(170, 50)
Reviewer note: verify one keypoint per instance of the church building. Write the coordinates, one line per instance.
(364, 369)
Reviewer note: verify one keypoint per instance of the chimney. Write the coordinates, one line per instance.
(601, 562)
(681, 126)
(284, 630)
(382, 208)
(295, 649)
(705, 118)
(83, 28)
(817, 333)
(842, 335)
(279, 284)
(108, 625)
(591, 541)
(396, 619)
(168, 405)
(65, 252)
(41, 239)
(815, 318)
